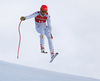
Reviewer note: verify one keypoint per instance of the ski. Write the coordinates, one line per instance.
(53, 57)
(44, 52)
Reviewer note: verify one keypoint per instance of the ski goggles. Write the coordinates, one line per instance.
(43, 11)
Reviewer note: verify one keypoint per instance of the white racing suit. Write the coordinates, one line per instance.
(43, 29)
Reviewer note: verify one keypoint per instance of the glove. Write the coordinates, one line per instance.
(22, 18)
(51, 36)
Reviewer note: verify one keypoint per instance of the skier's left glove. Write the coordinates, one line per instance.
(51, 36)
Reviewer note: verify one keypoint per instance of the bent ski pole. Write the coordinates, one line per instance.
(19, 39)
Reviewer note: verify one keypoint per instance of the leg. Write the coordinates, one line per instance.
(48, 35)
(42, 40)
(41, 31)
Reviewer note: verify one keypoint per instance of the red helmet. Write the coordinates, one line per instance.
(44, 7)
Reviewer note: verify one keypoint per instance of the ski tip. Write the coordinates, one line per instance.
(56, 53)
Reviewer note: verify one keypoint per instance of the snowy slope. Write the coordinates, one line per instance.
(13, 72)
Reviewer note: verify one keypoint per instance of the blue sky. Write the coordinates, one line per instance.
(76, 32)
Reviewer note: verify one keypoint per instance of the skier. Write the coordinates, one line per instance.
(43, 26)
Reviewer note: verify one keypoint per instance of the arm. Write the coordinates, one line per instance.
(28, 17)
(31, 16)
(49, 24)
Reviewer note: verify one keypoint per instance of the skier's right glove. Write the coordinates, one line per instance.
(22, 18)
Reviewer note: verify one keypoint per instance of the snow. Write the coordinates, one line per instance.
(14, 72)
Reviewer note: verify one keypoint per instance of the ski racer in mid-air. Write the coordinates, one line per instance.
(43, 26)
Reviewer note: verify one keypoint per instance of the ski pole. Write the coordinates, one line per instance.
(19, 39)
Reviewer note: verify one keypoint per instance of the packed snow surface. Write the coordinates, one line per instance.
(13, 72)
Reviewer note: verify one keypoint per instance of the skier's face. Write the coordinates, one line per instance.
(43, 12)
